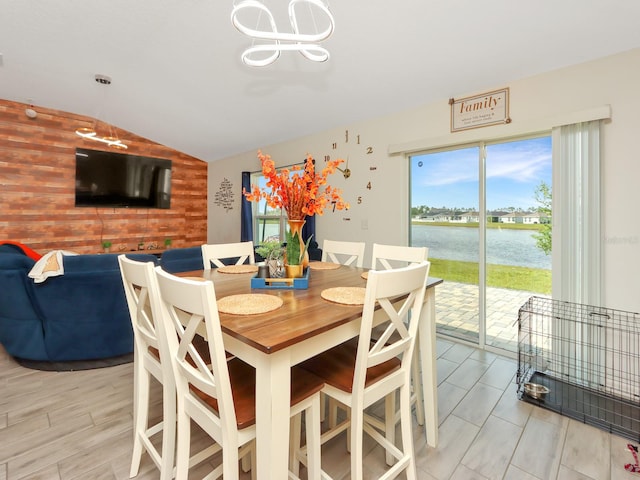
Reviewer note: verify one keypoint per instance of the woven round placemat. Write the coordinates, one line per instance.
(344, 295)
(249, 303)
(238, 269)
(365, 275)
(323, 265)
(198, 279)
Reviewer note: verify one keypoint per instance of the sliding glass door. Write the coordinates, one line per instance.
(493, 261)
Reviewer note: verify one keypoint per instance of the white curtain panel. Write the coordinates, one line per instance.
(576, 253)
(578, 346)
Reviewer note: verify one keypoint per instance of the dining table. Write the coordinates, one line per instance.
(303, 326)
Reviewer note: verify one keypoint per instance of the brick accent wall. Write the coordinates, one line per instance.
(37, 189)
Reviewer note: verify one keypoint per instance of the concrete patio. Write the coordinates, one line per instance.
(457, 313)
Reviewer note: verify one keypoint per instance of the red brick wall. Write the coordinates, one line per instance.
(37, 193)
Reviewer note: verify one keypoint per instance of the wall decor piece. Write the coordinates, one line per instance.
(224, 195)
(491, 108)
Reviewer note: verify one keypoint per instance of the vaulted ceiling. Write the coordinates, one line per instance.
(177, 77)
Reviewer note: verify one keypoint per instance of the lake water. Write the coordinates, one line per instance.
(504, 246)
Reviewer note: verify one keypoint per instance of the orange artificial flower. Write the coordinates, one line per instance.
(303, 193)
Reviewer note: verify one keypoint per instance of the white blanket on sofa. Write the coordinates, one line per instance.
(50, 265)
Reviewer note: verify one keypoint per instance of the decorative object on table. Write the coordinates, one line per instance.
(141, 246)
(167, 243)
(263, 270)
(344, 295)
(301, 191)
(237, 269)
(106, 245)
(273, 254)
(276, 263)
(295, 254)
(301, 283)
(249, 303)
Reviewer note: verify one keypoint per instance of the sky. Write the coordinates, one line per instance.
(450, 179)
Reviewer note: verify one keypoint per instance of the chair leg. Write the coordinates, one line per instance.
(333, 413)
(229, 463)
(406, 431)
(294, 443)
(356, 444)
(323, 406)
(416, 382)
(390, 423)
(312, 424)
(183, 443)
(168, 431)
(140, 414)
(246, 463)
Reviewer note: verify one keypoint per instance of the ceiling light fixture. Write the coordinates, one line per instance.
(112, 139)
(306, 44)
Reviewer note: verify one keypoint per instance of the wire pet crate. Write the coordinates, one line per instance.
(587, 358)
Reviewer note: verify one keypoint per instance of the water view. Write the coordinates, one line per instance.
(504, 246)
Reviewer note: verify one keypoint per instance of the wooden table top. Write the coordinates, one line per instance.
(304, 312)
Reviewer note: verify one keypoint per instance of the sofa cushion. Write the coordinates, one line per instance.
(176, 260)
(17, 247)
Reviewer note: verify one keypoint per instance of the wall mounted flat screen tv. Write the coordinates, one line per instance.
(109, 179)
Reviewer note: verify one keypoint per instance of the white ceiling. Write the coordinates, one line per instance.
(178, 79)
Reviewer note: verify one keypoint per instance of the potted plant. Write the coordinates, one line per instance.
(293, 265)
(273, 254)
(167, 243)
(107, 246)
(141, 246)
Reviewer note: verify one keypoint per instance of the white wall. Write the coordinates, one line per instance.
(535, 103)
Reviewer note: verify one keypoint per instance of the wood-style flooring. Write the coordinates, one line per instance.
(77, 425)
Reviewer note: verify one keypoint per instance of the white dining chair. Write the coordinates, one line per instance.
(146, 364)
(221, 397)
(387, 257)
(241, 252)
(359, 372)
(344, 253)
(141, 289)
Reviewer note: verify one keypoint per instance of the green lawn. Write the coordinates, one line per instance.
(501, 276)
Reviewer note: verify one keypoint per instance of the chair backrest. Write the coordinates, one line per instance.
(401, 316)
(394, 256)
(140, 285)
(189, 309)
(136, 290)
(344, 253)
(216, 253)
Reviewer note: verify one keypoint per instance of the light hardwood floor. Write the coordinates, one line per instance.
(77, 425)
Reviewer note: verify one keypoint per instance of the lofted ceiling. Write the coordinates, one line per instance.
(178, 80)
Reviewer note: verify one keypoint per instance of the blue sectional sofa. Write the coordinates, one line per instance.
(81, 315)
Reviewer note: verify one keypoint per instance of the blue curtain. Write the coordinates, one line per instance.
(246, 224)
(309, 228)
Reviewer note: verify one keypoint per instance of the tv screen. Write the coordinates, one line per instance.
(108, 179)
